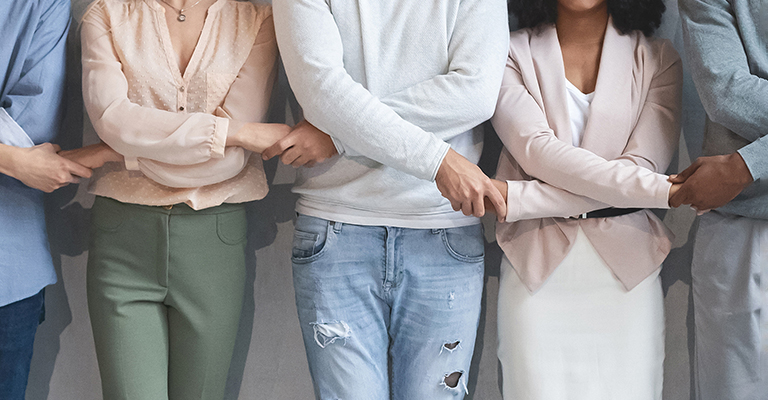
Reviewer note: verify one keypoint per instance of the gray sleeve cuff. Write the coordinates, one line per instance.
(755, 155)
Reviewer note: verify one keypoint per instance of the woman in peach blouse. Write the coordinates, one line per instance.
(179, 89)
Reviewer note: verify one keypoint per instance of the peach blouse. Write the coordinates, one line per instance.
(172, 128)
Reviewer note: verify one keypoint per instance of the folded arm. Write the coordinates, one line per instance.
(159, 142)
(634, 179)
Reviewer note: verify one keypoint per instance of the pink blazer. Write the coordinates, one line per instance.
(631, 135)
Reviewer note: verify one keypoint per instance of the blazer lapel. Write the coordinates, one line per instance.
(610, 114)
(550, 73)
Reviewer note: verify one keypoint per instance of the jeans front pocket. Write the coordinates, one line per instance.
(309, 239)
(465, 243)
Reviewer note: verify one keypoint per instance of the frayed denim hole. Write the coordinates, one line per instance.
(450, 347)
(326, 333)
(451, 382)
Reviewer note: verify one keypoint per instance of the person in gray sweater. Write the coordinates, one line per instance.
(388, 276)
(727, 48)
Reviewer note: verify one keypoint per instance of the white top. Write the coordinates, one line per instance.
(578, 110)
(394, 83)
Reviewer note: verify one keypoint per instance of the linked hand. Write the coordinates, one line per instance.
(41, 168)
(466, 186)
(305, 145)
(257, 137)
(710, 182)
(93, 156)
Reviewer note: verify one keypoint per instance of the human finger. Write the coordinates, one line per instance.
(478, 206)
(498, 204)
(76, 169)
(466, 207)
(301, 160)
(683, 176)
(56, 148)
(682, 196)
(278, 148)
(289, 156)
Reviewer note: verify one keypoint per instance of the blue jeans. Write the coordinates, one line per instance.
(385, 312)
(18, 324)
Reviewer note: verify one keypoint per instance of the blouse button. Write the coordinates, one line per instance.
(181, 108)
(181, 89)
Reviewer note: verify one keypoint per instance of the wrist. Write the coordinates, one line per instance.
(8, 160)
(741, 173)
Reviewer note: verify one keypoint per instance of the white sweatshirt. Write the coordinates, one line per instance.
(394, 83)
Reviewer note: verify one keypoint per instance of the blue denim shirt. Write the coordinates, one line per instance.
(726, 43)
(32, 56)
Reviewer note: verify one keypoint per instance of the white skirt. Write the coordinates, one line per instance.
(582, 335)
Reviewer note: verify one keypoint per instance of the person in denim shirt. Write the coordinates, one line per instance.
(32, 63)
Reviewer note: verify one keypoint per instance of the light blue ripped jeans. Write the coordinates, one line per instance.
(387, 313)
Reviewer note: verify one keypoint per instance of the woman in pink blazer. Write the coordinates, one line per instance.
(589, 116)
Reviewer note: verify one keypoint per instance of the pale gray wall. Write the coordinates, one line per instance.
(269, 360)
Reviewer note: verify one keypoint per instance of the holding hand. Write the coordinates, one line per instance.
(40, 167)
(93, 156)
(466, 186)
(257, 137)
(305, 145)
(710, 182)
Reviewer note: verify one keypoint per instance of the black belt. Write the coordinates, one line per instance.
(607, 212)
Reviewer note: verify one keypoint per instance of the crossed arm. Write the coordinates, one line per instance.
(571, 180)
(177, 150)
(382, 129)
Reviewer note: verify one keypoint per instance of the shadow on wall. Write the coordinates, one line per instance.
(67, 223)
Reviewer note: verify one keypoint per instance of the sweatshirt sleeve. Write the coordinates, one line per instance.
(731, 94)
(312, 52)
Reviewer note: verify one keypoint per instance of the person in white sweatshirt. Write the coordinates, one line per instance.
(388, 276)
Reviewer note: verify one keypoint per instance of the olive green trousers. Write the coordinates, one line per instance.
(165, 290)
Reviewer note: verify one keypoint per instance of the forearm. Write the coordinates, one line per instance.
(191, 176)
(536, 199)
(311, 47)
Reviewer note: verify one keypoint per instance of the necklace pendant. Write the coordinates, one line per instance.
(182, 17)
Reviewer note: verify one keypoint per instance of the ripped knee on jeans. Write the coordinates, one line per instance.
(451, 382)
(326, 333)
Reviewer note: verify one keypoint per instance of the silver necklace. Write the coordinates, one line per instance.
(181, 17)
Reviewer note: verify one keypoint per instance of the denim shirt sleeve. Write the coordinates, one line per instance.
(34, 86)
(11, 133)
(717, 37)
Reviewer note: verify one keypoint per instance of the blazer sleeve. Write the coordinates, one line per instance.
(247, 101)
(731, 94)
(575, 180)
